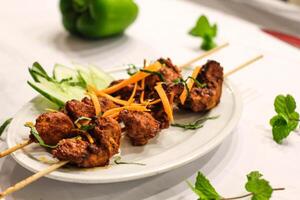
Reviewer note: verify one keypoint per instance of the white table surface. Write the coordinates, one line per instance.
(31, 31)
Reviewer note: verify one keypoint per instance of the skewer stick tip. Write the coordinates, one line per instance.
(245, 64)
(207, 53)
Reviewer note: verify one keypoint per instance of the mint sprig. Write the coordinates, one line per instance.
(258, 188)
(287, 118)
(206, 31)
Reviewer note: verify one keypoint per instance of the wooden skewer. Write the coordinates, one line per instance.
(32, 178)
(244, 65)
(15, 148)
(204, 55)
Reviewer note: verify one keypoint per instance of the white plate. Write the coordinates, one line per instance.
(174, 147)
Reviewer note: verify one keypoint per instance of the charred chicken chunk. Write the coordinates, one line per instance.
(173, 92)
(85, 107)
(76, 109)
(169, 71)
(206, 98)
(140, 126)
(108, 133)
(80, 153)
(160, 115)
(54, 126)
(73, 150)
(97, 157)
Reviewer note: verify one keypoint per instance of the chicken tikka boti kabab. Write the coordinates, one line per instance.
(87, 133)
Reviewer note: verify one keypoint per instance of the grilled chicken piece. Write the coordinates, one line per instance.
(108, 133)
(85, 107)
(173, 92)
(157, 111)
(53, 126)
(76, 109)
(206, 98)
(72, 149)
(169, 71)
(140, 126)
(81, 153)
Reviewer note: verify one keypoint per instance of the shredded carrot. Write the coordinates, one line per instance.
(133, 79)
(171, 98)
(143, 90)
(147, 102)
(190, 84)
(96, 102)
(89, 137)
(114, 111)
(131, 99)
(114, 99)
(165, 101)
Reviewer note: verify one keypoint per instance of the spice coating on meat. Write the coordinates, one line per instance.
(76, 109)
(81, 153)
(98, 156)
(108, 133)
(140, 126)
(206, 98)
(54, 126)
(73, 150)
(160, 115)
(169, 71)
(85, 107)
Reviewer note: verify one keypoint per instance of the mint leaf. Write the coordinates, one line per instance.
(286, 120)
(204, 189)
(260, 188)
(290, 103)
(293, 121)
(280, 128)
(206, 31)
(284, 104)
(202, 27)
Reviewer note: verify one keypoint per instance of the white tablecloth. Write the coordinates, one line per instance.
(31, 31)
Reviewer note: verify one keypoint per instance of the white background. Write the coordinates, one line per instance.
(31, 31)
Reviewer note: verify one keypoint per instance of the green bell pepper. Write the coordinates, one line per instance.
(97, 18)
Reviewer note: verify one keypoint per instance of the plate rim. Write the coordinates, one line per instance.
(199, 152)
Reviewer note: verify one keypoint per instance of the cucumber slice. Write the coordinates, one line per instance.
(58, 93)
(61, 72)
(67, 83)
(37, 71)
(94, 76)
(100, 79)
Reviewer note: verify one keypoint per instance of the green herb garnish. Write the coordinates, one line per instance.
(37, 136)
(206, 31)
(161, 77)
(287, 118)
(198, 84)
(199, 123)
(132, 69)
(119, 162)
(4, 125)
(258, 188)
(87, 127)
(184, 82)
